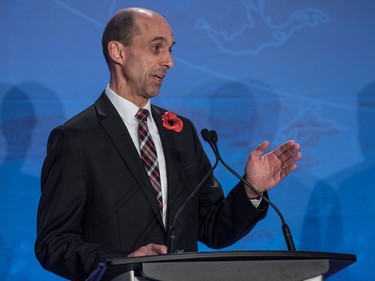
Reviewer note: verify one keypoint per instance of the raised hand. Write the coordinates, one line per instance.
(266, 171)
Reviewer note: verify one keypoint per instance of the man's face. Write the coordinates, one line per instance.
(148, 58)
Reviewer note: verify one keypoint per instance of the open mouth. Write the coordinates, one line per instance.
(159, 77)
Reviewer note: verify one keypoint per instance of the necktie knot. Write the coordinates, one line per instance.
(142, 114)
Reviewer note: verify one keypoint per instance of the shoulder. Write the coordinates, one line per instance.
(90, 118)
(78, 124)
(83, 127)
(73, 129)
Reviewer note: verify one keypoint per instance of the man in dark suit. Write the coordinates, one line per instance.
(100, 200)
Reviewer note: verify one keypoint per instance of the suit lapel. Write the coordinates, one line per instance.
(171, 163)
(120, 137)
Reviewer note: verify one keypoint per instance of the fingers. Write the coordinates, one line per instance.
(290, 165)
(288, 155)
(284, 152)
(150, 250)
(288, 158)
(158, 249)
(287, 150)
(261, 149)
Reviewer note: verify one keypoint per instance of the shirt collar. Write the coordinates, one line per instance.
(125, 108)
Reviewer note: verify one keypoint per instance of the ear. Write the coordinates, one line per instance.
(116, 52)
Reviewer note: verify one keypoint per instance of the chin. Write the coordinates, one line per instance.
(153, 94)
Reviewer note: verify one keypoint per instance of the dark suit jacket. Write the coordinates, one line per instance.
(97, 201)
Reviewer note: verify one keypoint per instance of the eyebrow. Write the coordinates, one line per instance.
(162, 39)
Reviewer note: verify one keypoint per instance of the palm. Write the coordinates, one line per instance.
(266, 171)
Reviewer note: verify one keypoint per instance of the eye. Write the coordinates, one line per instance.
(156, 48)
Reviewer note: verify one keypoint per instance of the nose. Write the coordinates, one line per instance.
(168, 60)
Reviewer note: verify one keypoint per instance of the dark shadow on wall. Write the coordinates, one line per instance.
(341, 212)
(28, 111)
(356, 193)
(235, 109)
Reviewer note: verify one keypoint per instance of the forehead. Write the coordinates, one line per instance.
(154, 26)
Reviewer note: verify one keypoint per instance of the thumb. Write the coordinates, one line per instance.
(261, 148)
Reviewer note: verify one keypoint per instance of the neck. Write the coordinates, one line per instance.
(121, 89)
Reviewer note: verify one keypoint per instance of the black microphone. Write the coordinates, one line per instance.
(171, 231)
(212, 138)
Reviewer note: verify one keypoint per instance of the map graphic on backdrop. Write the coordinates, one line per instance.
(259, 32)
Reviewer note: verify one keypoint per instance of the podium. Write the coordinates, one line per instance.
(224, 266)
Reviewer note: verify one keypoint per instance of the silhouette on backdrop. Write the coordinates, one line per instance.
(25, 109)
(341, 210)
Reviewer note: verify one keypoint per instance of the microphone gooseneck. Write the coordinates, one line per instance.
(211, 138)
(171, 231)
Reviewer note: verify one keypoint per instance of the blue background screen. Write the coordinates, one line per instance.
(253, 70)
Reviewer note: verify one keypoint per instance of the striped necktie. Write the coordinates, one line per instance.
(148, 154)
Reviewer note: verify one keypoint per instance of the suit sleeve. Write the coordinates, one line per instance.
(59, 245)
(228, 220)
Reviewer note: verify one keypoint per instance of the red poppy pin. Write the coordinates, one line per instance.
(172, 122)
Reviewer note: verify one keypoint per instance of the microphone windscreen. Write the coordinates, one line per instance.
(213, 136)
(205, 134)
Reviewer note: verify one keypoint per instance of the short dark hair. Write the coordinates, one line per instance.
(121, 28)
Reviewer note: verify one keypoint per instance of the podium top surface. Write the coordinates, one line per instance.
(233, 255)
